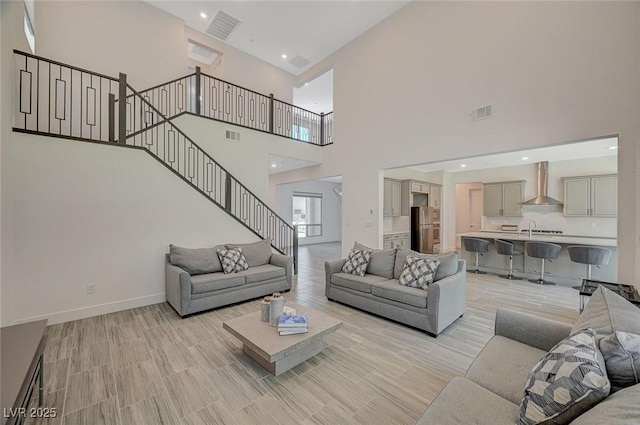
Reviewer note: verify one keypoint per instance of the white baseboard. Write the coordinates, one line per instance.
(95, 310)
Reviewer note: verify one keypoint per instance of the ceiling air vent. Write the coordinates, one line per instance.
(481, 113)
(299, 61)
(222, 25)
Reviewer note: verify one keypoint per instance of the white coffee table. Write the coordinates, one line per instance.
(276, 353)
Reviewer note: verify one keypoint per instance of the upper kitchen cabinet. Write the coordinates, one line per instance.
(591, 196)
(503, 199)
(419, 187)
(392, 198)
(435, 196)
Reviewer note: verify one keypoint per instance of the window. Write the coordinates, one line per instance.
(307, 214)
(300, 133)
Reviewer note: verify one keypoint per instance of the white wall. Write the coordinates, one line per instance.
(554, 72)
(331, 208)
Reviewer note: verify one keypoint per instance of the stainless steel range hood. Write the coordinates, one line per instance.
(543, 180)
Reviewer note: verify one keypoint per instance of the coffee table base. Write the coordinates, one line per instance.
(290, 360)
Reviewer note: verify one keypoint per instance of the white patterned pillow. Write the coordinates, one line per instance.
(357, 262)
(569, 380)
(232, 260)
(418, 272)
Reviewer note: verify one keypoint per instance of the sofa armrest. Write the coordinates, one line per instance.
(284, 261)
(177, 288)
(531, 330)
(446, 300)
(331, 267)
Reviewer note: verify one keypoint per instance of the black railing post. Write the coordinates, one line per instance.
(322, 128)
(227, 192)
(122, 108)
(112, 117)
(295, 249)
(198, 91)
(272, 118)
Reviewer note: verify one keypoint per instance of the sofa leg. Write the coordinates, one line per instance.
(431, 334)
(461, 316)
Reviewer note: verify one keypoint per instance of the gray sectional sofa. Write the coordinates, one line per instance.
(378, 292)
(195, 280)
(491, 391)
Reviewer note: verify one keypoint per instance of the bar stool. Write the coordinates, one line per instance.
(478, 246)
(544, 251)
(506, 248)
(589, 255)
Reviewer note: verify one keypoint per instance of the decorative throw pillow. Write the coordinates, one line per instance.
(569, 380)
(381, 261)
(232, 260)
(256, 254)
(621, 352)
(357, 262)
(418, 272)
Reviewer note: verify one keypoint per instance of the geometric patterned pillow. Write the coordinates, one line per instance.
(418, 272)
(357, 262)
(569, 380)
(232, 260)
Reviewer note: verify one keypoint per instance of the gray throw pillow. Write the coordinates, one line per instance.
(381, 262)
(357, 262)
(418, 272)
(448, 263)
(232, 260)
(621, 352)
(607, 312)
(621, 408)
(256, 254)
(569, 380)
(195, 261)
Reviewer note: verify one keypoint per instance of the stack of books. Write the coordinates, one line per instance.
(291, 325)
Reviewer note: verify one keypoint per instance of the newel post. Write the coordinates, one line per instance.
(271, 117)
(198, 91)
(122, 109)
(322, 128)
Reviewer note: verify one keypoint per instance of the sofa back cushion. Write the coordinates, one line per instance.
(448, 263)
(607, 312)
(256, 254)
(621, 408)
(195, 261)
(381, 261)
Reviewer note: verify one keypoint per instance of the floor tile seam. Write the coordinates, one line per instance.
(115, 386)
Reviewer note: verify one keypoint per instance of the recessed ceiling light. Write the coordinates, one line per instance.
(273, 165)
(463, 165)
(306, 84)
(203, 15)
(613, 147)
(524, 158)
(284, 56)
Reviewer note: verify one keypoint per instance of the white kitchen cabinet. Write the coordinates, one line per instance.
(392, 198)
(503, 199)
(591, 196)
(401, 240)
(387, 242)
(420, 187)
(435, 195)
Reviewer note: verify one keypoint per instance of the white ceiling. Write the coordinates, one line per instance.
(589, 149)
(316, 95)
(280, 164)
(269, 29)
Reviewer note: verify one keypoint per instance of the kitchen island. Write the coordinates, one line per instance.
(562, 270)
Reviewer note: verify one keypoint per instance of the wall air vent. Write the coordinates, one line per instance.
(232, 135)
(299, 61)
(222, 25)
(481, 113)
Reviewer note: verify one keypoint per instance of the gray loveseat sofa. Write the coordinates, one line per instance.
(195, 281)
(492, 389)
(378, 292)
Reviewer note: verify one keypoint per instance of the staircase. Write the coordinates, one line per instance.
(64, 101)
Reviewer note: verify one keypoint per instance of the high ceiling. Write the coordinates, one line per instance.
(270, 29)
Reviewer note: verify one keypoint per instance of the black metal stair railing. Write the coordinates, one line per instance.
(55, 99)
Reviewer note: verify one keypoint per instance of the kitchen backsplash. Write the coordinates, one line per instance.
(578, 226)
(396, 224)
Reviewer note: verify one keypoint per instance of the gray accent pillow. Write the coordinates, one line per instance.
(357, 262)
(569, 380)
(256, 254)
(381, 262)
(448, 263)
(418, 272)
(607, 312)
(232, 260)
(621, 352)
(195, 261)
(621, 408)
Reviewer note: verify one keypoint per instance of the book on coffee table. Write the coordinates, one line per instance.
(293, 322)
(293, 331)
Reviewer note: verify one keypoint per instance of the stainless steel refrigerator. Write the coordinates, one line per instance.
(425, 229)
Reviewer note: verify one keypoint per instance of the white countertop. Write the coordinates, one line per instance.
(559, 239)
(400, 232)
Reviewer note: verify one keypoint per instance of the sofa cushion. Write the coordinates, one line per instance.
(357, 262)
(503, 367)
(195, 261)
(261, 273)
(256, 254)
(357, 283)
(214, 281)
(418, 272)
(607, 312)
(232, 260)
(621, 408)
(567, 382)
(464, 402)
(448, 263)
(381, 262)
(391, 290)
(621, 352)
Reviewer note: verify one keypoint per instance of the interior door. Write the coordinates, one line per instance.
(475, 209)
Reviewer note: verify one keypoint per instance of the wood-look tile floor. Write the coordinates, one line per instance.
(148, 366)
